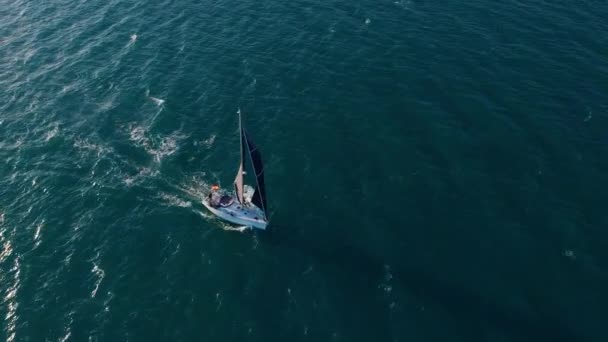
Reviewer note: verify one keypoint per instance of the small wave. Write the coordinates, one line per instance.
(68, 329)
(69, 87)
(386, 284)
(7, 248)
(28, 55)
(589, 116)
(218, 300)
(51, 134)
(157, 101)
(568, 253)
(39, 227)
(405, 4)
(10, 299)
(207, 143)
(83, 144)
(143, 173)
(210, 141)
(65, 337)
(138, 135)
(368, 21)
(308, 270)
(109, 102)
(106, 302)
(166, 147)
(100, 274)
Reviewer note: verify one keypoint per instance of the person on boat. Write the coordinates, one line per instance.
(214, 196)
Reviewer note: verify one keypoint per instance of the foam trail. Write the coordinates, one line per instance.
(239, 229)
(205, 216)
(174, 201)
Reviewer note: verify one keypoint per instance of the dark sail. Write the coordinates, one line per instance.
(259, 195)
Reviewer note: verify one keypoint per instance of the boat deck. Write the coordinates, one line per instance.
(247, 215)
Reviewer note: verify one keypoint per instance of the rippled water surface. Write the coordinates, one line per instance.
(436, 170)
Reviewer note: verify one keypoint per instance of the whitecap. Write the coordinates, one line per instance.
(157, 101)
(168, 146)
(10, 299)
(143, 173)
(106, 302)
(386, 284)
(68, 329)
(85, 145)
(568, 253)
(368, 21)
(218, 300)
(7, 248)
(158, 148)
(133, 38)
(138, 135)
(100, 274)
(67, 335)
(39, 227)
(209, 141)
(51, 134)
(405, 4)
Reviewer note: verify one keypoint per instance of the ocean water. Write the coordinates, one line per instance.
(435, 170)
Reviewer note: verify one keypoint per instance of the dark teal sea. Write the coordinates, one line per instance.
(435, 170)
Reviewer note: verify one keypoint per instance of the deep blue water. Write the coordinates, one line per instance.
(435, 170)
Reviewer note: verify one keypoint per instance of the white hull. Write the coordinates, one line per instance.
(250, 215)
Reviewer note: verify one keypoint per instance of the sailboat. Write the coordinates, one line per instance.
(245, 205)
